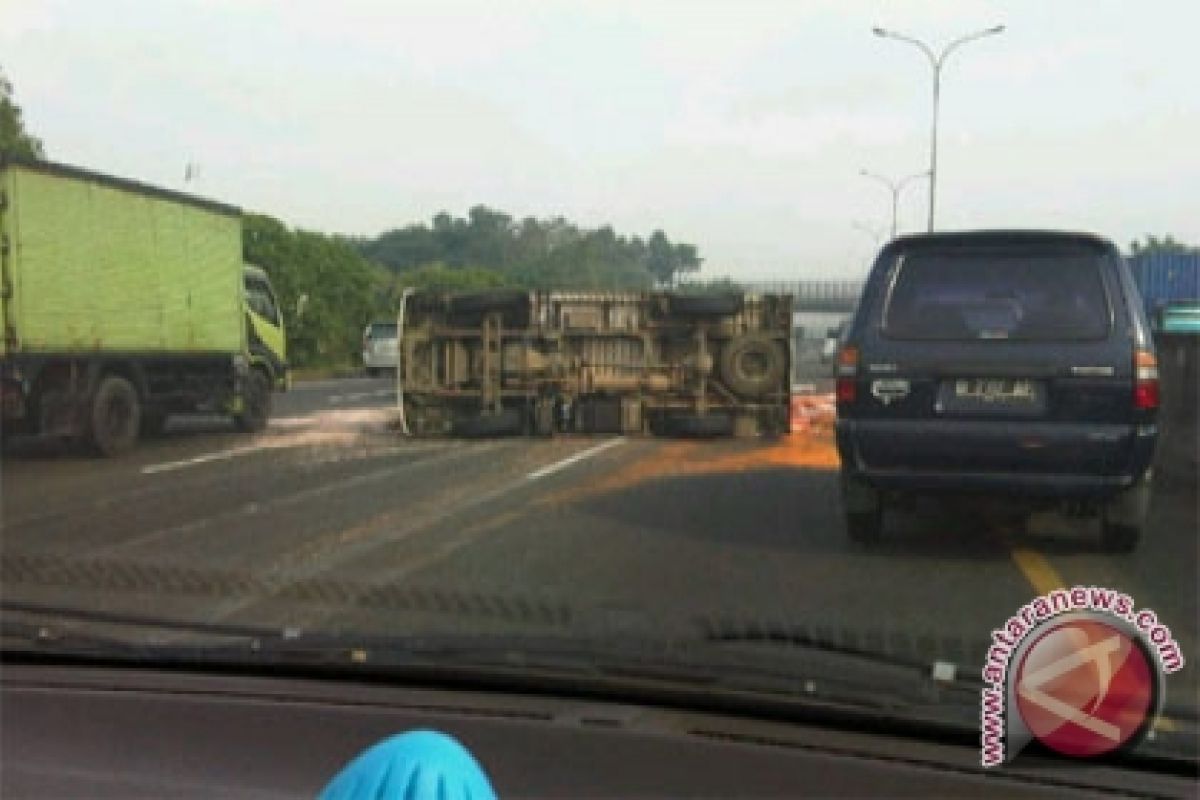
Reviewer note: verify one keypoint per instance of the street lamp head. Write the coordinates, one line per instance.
(997, 29)
(879, 31)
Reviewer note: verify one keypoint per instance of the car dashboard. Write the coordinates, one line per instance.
(100, 732)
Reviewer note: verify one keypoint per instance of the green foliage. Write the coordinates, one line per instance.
(14, 139)
(439, 276)
(531, 253)
(1152, 245)
(343, 291)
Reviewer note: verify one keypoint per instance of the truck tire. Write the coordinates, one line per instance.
(508, 422)
(698, 426)
(705, 305)
(753, 365)
(115, 417)
(256, 403)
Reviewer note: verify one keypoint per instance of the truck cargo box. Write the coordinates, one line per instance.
(94, 263)
(1167, 281)
(506, 362)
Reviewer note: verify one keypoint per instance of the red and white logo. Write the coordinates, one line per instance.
(1085, 687)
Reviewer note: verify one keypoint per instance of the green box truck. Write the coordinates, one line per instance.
(122, 303)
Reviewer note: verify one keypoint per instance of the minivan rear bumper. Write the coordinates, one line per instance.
(1006, 483)
(1101, 471)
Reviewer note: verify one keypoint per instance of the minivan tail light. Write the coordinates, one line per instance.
(1145, 387)
(847, 361)
(846, 388)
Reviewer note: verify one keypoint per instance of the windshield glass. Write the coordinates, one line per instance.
(1027, 295)
(769, 344)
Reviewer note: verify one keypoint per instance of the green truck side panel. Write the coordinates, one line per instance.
(99, 267)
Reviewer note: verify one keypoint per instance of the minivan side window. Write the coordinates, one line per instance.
(1020, 295)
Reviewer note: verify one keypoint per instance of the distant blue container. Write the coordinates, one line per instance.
(1166, 279)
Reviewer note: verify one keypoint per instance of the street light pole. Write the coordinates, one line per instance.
(895, 187)
(936, 61)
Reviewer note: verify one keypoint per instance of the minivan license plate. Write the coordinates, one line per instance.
(995, 390)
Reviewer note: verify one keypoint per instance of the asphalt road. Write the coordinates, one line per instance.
(331, 520)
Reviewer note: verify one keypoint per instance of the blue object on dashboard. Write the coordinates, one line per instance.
(419, 765)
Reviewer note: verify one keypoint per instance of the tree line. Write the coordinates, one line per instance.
(490, 248)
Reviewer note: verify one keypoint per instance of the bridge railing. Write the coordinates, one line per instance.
(808, 295)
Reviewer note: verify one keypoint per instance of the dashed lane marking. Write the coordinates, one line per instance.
(550, 469)
(220, 455)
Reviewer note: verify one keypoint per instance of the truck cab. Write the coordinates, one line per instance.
(265, 334)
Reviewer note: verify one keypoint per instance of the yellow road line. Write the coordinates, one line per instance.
(1037, 570)
(1165, 724)
(1044, 579)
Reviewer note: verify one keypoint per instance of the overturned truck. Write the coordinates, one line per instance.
(513, 362)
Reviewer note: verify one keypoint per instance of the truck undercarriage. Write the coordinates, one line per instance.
(513, 362)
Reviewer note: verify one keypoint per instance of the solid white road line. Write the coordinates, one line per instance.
(220, 455)
(550, 469)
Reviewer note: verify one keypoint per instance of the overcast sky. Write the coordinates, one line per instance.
(739, 126)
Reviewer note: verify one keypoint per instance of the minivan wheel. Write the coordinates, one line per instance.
(1124, 515)
(1120, 538)
(863, 506)
(865, 528)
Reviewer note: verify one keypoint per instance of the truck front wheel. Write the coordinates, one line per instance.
(256, 403)
(115, 417)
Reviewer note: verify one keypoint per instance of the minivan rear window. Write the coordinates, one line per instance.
(998, 294)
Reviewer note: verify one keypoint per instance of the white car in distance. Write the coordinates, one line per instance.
(379, 351)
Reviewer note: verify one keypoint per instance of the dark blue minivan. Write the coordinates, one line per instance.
(1011, 363)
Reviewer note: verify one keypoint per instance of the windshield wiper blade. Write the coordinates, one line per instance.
(676, 659)
(801, 641)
